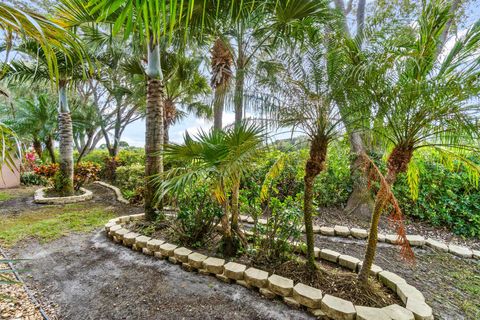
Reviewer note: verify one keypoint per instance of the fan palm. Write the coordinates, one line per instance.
(222, 158)
(424, 100)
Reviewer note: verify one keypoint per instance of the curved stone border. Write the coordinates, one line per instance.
(39, 197)
(294, 295)
(117, 191)
(362, 234)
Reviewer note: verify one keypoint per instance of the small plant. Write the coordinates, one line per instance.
(284, 223)
(197, 217)
(84, 173)
(110, 168)
(32, 179)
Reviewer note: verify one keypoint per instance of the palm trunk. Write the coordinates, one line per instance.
(397, 162)
(154, 129)
(315, 164)
(50, 147)
(65, 179)
(239, 84)
(360, 202)
(37, 146)
(169, 114)
(218, 103)
(166, 135)
(227, 239)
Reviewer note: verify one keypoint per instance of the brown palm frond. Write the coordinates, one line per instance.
(222, 60)
(390, 203)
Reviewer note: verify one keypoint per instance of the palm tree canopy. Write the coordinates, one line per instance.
(222, 157)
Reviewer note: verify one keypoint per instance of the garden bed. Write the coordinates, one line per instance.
(42, 196)
(277, 285)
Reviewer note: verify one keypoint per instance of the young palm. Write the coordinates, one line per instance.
(222, 158)
(424, 100)
(306, 105)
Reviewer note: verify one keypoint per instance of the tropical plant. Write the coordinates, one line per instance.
(221, 158)
(423, 100)
(35, 119)
(68, 72)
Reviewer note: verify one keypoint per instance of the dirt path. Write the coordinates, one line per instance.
(89, 277)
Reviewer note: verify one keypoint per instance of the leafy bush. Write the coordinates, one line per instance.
(47, 170)
(272, 240)
(85, 172)
(30, 178)
(446, 196)
(197, 217)
(97, 156)
(131, 180)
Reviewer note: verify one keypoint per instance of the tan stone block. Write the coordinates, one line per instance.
(437, 245)
(129, 238)
(154, 244)
(327, 231)
(280, 285)
(420, 309)
(256, 277)
(460, 251)
(181, 254)
(214, 265)
(337, 308)
(396, 312)
(342, 231)
(390, 279)
(234, 270)
(406, 291)
(267, 293)
(307, 296)
(348, 262)
(329, 255)
(141, 241)
(167, 249)
(292, 303)
(367, 313)
(359, 233)
(196, 260)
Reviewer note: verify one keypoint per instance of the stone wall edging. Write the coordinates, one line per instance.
(118, 193)
(39, 197)
(297, 295)
(362, 234)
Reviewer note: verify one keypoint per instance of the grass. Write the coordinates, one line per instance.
(5, 196)
(51, 223)
(469, 282)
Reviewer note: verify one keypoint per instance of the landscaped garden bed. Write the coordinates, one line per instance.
(271, 285)
(44, 196)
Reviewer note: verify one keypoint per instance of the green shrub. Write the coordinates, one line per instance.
(131, 180)
(446, 197)
(85, 172)
(131, 155)
(284, 222)
(97, 156)
(32, 179)
(197, 217)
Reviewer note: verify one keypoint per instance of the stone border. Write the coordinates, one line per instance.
(294, 295)
(118, 193)
(362, 234)
(39, 197)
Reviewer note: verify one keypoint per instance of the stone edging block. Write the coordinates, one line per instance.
(39, 197)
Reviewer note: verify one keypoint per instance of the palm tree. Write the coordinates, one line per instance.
(68, 72)
(48, 35)
(36, 119)
(221, 158)
(305, 104)
(423, 100)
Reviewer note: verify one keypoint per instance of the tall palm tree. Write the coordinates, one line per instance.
(50, 36)
(152, 21)
(68, 72)
(424, 100)
(221, 158)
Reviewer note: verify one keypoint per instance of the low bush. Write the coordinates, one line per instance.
(446, 197)
(131, 181)
(84, 172)
(197, 216)
(30, 178)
